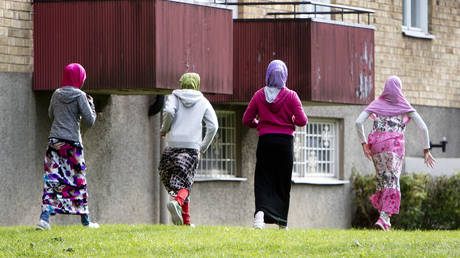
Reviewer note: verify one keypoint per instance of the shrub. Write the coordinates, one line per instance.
(442, 207)
(426, 202)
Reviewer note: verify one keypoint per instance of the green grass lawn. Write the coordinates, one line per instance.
(181, 241)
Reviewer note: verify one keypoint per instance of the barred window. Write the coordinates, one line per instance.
(220, 158)
(316, 149)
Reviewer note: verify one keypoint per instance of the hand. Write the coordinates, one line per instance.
(90, 99)
(429, 160)
(367, 151)
(162, 134)
(200, 155)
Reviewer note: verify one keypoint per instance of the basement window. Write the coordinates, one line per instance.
(316, 153)
(218, 163)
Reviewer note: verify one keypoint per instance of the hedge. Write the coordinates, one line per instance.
(426, 202)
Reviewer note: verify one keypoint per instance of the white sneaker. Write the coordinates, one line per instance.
(43, 225)
(176, 212)
(283, 228)
(259, 220)
(92, 225)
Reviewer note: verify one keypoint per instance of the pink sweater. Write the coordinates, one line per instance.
(281, 116)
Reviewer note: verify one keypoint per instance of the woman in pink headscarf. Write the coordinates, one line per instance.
(274, 111)
(385, 146)
(64, 189)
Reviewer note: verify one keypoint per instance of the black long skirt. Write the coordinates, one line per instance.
(272, 182)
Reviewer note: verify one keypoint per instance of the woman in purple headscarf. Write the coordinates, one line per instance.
(385, 146)
(275, 111)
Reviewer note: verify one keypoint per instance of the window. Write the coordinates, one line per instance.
(415, 19)
(219, 161)
(316, 150)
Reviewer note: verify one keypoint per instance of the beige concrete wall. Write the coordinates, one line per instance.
(16, 38)
(121, 152)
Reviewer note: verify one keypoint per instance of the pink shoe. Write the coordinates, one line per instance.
(381, 225)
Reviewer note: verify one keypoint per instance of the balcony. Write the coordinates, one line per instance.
(132, 46)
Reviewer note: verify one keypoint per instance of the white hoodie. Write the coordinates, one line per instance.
(183, 115)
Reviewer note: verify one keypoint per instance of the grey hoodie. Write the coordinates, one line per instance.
(68, 106)
(184, 112)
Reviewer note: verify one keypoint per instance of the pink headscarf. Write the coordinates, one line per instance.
(74, 75)
(392, 102)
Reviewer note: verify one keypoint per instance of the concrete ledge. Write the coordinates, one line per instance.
(224, 179)
(443, 166)
(416, 34)
(319, 181)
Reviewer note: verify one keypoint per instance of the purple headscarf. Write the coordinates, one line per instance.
(392, 102)
(276, 74)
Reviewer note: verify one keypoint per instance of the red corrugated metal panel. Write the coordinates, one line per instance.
(122, 46)
(113, 40)
(256, 43)
(193, 38)
(342, 63)
(326, 62)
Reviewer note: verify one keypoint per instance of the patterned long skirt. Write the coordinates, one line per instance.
(65, 178)
(388, 168)
(178, 168)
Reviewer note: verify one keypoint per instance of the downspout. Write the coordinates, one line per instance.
(154, 109)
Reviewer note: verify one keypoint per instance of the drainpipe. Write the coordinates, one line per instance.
(164, 198)
(163, 194)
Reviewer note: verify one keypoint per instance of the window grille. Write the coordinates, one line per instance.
(316, 149)
(220, 158)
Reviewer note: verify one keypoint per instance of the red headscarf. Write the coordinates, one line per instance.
(74, 75)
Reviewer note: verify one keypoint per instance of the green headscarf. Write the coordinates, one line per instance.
(190, 81)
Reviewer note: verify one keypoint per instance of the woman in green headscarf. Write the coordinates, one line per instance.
(185, 111)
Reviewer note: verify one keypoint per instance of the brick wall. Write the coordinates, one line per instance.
(16, 42)
(258, 11)
(429, 69)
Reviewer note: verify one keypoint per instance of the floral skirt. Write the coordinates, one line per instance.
(177, 169)
(388, 167)
(65, 178)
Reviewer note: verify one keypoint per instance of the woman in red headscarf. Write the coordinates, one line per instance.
(64, 189)
(385, 146)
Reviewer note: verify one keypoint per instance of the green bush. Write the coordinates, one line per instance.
(442, 207)
(426, 202)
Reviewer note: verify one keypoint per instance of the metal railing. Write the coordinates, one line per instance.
(342, 9)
